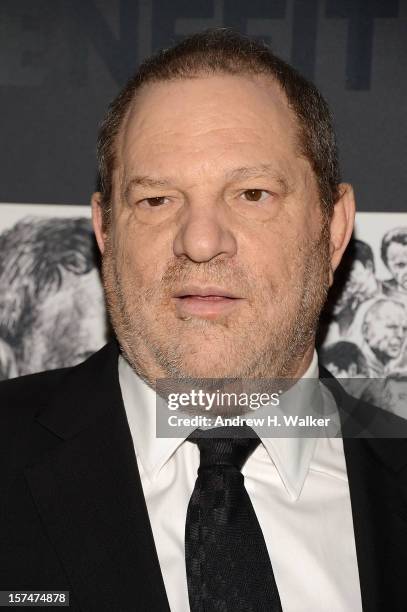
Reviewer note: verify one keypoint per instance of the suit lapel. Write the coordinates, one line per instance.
(89, 494)
(377, 476)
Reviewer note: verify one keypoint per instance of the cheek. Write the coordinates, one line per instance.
(393, 269)
(134, 255)
(271, 254)
(376, 336)
(283, 262)
(384, 339)
(142, 257)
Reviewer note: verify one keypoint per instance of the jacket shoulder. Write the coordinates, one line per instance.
(22, 398)
(26, 399)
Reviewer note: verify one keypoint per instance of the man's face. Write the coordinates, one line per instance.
(395, 396)
(358, 278)
(386, 333)
(397, 263)
(216, 262)
(356, 287)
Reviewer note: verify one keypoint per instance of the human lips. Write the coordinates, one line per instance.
(205, 301)
(394, 347)
(205, 292)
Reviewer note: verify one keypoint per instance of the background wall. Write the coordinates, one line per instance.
(62, 61)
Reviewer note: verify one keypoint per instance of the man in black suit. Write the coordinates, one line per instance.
(221, 221)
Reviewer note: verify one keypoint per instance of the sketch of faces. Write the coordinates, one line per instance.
(397, 264)
(52, 310)
(360, 284)
(370, 313)
(68, 326)
(394, 255)
(395, 394)
(344, 360)
(385, 329)
(360, 281)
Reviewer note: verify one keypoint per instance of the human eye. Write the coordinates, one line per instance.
(255, 195)
(153, 202)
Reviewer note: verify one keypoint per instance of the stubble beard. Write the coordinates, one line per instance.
(265, 349)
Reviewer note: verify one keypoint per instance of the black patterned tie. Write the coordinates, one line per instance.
(227, 563)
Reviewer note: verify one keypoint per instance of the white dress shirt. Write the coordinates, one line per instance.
(299, 491)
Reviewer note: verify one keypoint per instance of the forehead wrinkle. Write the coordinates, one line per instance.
(267, 84)
(195, 146)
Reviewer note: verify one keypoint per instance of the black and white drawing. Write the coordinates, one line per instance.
(52, 311)
(365, 324)
(394, 255)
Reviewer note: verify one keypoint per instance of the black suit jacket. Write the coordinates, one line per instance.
(73, 515)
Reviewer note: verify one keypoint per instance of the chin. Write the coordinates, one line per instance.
(208, 365)
(206, 373)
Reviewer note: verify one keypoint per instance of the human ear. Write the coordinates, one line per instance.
(97, 220)
(341, 226)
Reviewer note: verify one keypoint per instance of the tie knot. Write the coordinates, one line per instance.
(225, 446)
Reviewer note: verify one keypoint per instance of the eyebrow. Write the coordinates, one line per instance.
(246, 172)
(145, 181)
(242, 173)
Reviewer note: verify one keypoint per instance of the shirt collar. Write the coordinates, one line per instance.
(291, 456)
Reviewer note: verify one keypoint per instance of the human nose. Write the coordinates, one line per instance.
(204, 233)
